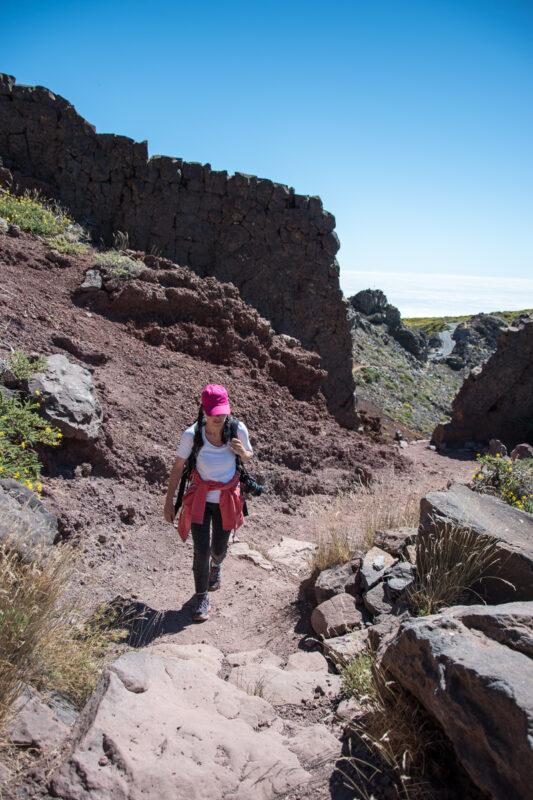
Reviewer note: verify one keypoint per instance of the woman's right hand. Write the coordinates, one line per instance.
(169, 512)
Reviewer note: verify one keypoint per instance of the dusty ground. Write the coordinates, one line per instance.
(149, 394)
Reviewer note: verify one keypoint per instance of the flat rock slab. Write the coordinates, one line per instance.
(490, 517)
(470, 668)
(292, 553)
(243, 550)
(168, 728)
(289, 686)
(347, 646)
(34, 723)
(260, 656)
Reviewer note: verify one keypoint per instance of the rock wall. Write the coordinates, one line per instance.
(277, 247)
(496, 400)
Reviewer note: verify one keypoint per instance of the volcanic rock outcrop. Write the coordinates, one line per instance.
(370, 306)
(496, 400)
(277, 247)
(204, 318)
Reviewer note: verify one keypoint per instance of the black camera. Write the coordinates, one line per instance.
(250, 486)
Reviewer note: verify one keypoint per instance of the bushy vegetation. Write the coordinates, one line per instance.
(67, 244)
(33, 214)
(23, 366)
(119, 265)
(510, 480)
(21, 429)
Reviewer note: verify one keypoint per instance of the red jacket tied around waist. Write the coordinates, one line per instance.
(194, 500)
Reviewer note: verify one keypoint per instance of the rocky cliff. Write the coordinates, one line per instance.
(496, 400)
(277, 247)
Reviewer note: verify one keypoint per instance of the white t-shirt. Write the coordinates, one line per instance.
(213, 463)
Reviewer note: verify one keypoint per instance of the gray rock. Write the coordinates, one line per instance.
(69, 398)
(3, 225)
(397, 579)
(24, 521)
(92, 281)
(497, 448)
(394, 541)
(375, 562)
(337, 580)
(459, 667)
(489, 517)
(347, 646)
(376, 601)
(336, 616)
(523, 450)
(369, 301)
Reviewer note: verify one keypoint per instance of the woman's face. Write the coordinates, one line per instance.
(216, 421)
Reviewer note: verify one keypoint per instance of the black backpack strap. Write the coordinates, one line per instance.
(189, 466)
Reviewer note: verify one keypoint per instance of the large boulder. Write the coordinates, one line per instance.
(167, 726)
(69, 398)
(471, 668)
(24, 521)
(495, 400)
(488, 517)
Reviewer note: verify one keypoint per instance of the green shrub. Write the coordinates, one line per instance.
(510, 480)
(23, 366)
(119, 265)
(21, 428)
(32, 214)
(371, 374)
(63, 244)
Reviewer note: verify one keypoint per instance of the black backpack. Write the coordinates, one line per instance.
(229, 432)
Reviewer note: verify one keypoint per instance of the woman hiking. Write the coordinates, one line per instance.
(214, 497)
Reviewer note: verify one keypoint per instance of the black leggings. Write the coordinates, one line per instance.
(203, 548)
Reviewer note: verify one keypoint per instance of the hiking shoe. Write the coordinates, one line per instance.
(202, 608)
(215, 577)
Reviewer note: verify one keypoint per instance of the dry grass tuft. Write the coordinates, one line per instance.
(395, 736)
(42, 638)
(347, 523)
(449, 564)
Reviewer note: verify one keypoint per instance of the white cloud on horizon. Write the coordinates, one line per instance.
(418, 295)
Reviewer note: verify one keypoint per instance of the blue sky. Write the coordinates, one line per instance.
(413, 120)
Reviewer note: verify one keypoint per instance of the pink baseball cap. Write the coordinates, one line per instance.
(215, 400)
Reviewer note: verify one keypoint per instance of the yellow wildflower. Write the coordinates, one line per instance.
(37, 392)
(23, 445)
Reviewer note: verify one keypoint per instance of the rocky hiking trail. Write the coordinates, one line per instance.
(256, 707)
